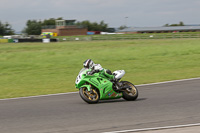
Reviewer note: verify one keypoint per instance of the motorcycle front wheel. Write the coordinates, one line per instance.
(88, 96)
(130, 94)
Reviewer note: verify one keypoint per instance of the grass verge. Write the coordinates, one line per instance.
(29, 69)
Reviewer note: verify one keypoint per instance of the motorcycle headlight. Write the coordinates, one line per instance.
(78, 79)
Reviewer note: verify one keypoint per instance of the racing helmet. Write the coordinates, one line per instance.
(88, 63)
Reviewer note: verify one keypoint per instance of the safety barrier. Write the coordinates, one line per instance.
(26, 40)
(3, 40)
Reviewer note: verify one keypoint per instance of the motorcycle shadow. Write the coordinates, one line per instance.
(119, 100)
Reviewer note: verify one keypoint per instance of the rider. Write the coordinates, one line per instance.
(98, 68)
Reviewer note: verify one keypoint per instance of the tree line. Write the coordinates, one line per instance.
(6, 29)
(180, 24)
(33, 27)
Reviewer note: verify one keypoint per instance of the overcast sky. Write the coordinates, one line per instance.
(135, 13)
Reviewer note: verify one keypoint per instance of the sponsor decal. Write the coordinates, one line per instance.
(109, 93)
(113, 94)
(118, 95)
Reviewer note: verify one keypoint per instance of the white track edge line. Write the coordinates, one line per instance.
(77, 91)
(164, 82)
(155, 128)
(38, 96)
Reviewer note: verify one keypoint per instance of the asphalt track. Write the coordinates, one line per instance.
(158, 105)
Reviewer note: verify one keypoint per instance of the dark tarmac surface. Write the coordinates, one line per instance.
(167, 104)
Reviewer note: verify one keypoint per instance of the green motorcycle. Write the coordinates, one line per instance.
(96, 86)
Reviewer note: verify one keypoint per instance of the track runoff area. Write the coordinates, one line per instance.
(145, 130)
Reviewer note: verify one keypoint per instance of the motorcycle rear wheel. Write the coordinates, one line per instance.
(130, 94)
(89, 97)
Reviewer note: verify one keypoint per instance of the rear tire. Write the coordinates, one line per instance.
(89, 97)
(130, 94)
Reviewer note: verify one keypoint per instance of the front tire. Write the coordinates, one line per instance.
(89, 97)
(130, 94)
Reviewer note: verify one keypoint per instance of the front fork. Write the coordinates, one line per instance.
(88, 88)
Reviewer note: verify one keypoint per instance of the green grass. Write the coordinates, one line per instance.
(29, 69)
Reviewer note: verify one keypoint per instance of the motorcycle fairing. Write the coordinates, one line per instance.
(103, 85)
